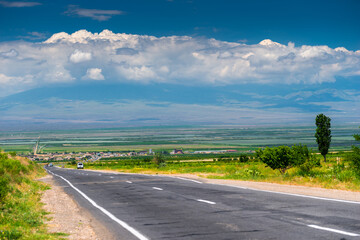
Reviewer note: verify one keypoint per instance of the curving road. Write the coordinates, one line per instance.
(135, 206)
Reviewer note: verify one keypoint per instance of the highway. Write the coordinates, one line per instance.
(136, 206)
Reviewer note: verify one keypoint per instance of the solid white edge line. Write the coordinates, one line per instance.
(110, 215)
(289, 194)
(156, 188)
(205, 201)
(334, 230)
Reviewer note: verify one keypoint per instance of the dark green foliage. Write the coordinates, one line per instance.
(357, 137)
(304, 158)
(277, 158)
(323, 134)
(284, 157)
(243, 158)
(354, 157)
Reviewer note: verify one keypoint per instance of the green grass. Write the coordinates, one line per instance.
(22, 216)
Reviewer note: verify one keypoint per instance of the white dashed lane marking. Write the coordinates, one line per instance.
(156, 188)
(205, 201)
(128, 181)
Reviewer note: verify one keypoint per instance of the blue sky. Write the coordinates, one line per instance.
(122, 63)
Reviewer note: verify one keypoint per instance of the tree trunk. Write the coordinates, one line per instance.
(324, 158)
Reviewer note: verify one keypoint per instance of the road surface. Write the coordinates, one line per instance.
(135, 206)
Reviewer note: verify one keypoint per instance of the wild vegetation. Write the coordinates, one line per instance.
(21, 214)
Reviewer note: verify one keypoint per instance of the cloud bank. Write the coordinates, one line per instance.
(81, 56)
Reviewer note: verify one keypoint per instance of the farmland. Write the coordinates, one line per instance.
(189, 138)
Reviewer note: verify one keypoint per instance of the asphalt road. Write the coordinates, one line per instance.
(135, 206)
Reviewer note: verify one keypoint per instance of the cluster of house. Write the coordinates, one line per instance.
(90, 156)
(93, 156)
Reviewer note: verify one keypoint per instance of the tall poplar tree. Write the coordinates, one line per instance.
(323, 134)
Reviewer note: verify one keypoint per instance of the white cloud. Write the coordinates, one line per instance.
(94, 74)
(79, 56)
(172, 59)
(19, 4)
(96, 14)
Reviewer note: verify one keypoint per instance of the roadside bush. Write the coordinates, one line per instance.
(243, 158)
(280, 158)
(284, 157)
(354, 158)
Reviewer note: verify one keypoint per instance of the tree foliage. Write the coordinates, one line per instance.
(284, 157)
(323, 134)
(357, 136)
(354, 156)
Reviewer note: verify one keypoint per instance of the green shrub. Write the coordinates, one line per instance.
(280, 158)
(284, 157)
(354, 158)
(243, 158)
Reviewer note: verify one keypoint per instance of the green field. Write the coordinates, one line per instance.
(167, 138)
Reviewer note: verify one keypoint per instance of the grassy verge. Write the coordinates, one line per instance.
(336, 173)
(21, 214)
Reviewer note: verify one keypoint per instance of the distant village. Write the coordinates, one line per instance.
(93, 156)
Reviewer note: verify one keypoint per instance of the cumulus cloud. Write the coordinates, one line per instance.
(19, 4)
(94, 74)
(173, 59)
(96, 14)
(79, 56)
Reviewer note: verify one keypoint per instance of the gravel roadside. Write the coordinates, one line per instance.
(66, 216)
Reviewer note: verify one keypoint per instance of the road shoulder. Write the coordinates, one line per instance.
(68, 217)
